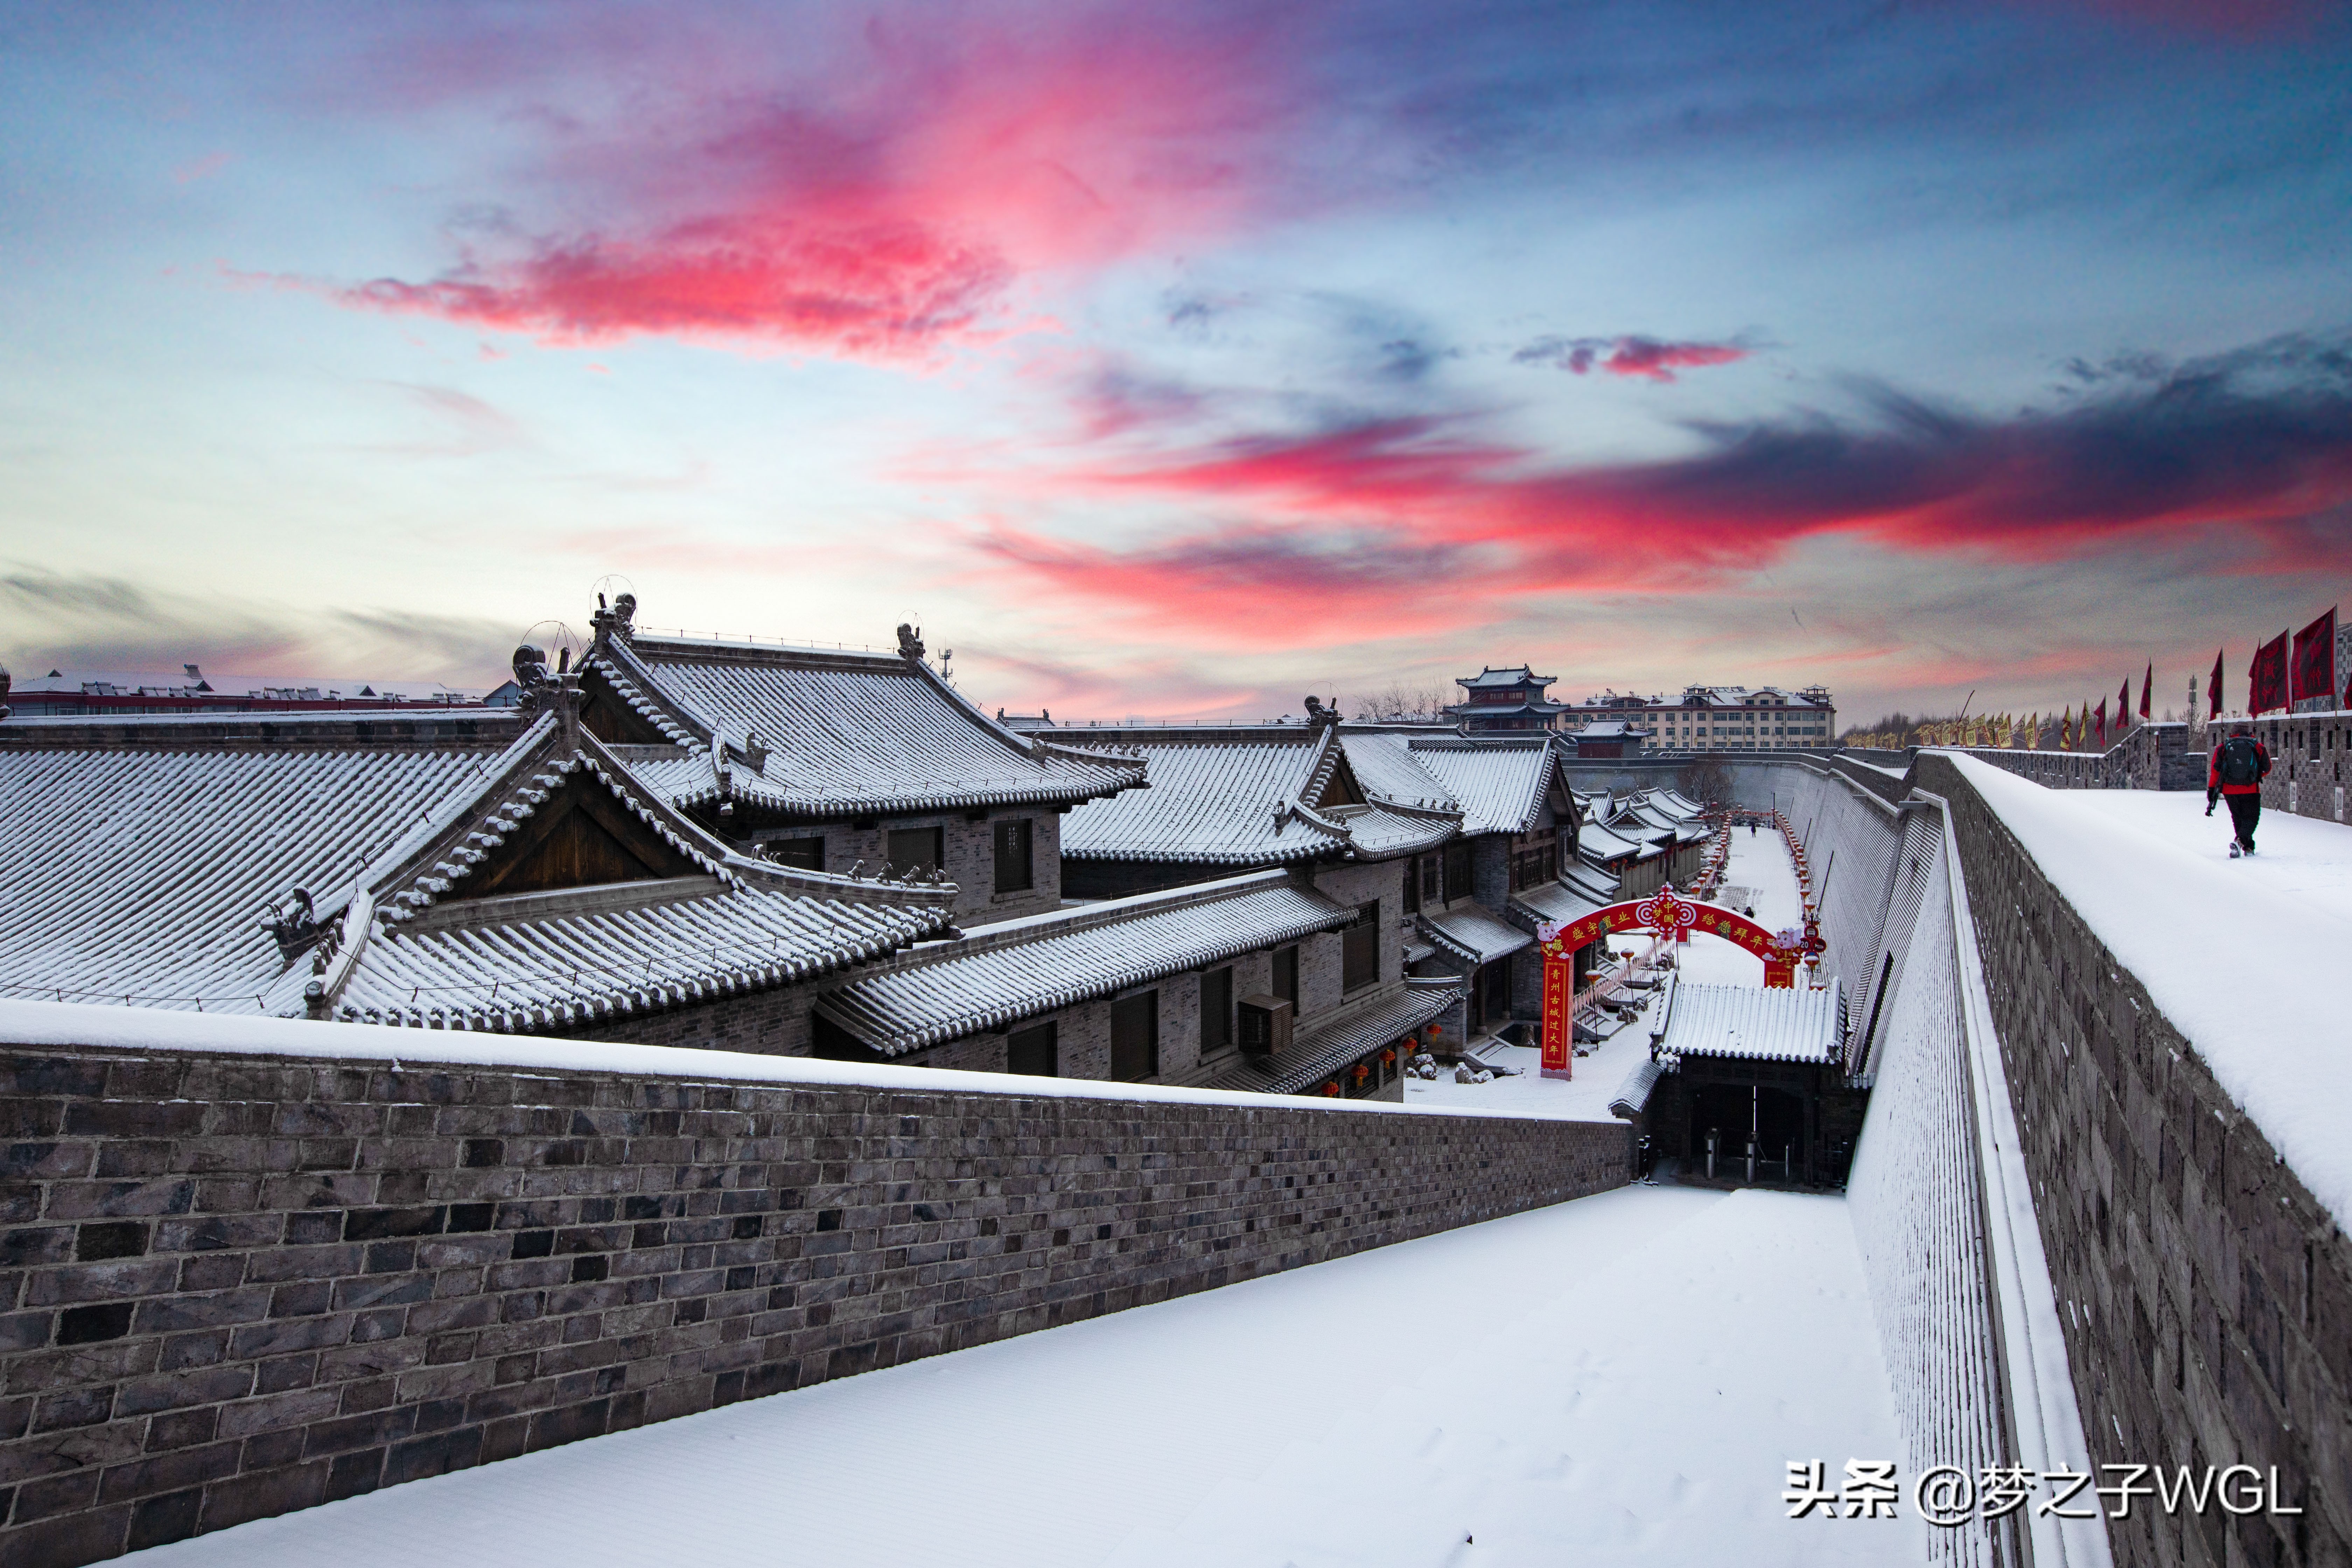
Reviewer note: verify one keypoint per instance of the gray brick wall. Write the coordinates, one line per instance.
(2207, 1295)
(234, 1286)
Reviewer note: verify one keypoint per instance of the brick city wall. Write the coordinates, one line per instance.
(2207, 1296)
(2307, 762)
(232, 1286)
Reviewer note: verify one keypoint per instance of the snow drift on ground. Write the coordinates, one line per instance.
(1618, 1380)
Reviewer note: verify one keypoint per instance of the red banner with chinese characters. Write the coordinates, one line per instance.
(1559, 1006)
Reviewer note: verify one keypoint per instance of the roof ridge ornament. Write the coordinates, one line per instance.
(910, 643)
(620, 619)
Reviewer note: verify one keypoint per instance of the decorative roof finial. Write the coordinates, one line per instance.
(910, 642)
(4, 681)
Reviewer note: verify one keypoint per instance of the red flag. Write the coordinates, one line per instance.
(2266, 677)
(2123, 705)
(2102, 723)
(2315, 658)
(2213, 692)
(2147, 686)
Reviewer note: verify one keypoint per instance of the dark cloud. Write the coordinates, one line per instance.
(87, 622)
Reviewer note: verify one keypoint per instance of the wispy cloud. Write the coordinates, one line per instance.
(1653, 358)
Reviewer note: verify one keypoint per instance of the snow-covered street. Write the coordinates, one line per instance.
(1619, 1380)
(1761, 879)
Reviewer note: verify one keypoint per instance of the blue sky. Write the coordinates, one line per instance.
(1177, 360)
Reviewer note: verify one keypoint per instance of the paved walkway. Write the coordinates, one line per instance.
(1618, 1380)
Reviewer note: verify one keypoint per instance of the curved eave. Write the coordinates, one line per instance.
(1212, 856)
(590, 1007)
(984, 1019)
(1073, 794)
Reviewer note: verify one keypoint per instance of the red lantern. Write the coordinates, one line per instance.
(1387, 1057)
(1329, 1089)
(1363, 1071)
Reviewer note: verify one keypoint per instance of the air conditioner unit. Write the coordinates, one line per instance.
(1266, 1025)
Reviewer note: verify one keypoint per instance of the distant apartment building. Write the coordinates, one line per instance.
(1741, 717)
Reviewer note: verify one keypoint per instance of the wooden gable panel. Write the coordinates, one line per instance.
(1340, 788)
(609, 720)
(581, 838)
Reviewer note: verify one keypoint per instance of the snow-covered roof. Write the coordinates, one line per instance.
(138, 873)
(1019, 969)
(1501, 783)
(1596, 843)
(1473, 935)
(1516, 675)
(1786, 1024)
(1558, 903)
(1312, 1058)
(826, 732)
(237, 880)
(1591, 882)
(1391, 767)
(1633, 1096)
(1250, 795)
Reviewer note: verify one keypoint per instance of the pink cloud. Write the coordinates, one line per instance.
(888, 209)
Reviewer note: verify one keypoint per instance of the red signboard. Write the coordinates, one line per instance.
(1559, 1024)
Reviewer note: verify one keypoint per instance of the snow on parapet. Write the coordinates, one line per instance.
(56, 1025)
(2254, 983)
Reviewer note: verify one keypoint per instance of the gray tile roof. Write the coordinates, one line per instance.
(1785, 1023)
(411, 950)
(1556, 904)
(1243, 797)
(1473, 935)
(139, 873)
(1594, 842)
(1633, 1095)
(1500, 784)
(999, 975)
(159, 905)
(844, 732)
(1333, 1048)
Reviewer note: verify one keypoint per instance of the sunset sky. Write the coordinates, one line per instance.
(1178, 360)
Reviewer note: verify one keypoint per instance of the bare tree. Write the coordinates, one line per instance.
(1401, 702)
(1705, 780)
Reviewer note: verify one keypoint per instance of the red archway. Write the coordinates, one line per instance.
(1668, 913)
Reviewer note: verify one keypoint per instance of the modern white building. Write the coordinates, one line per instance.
(1717, 718)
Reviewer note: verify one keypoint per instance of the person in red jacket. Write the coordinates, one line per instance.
(2239, 766)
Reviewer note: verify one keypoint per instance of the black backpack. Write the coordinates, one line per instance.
(2241, 761)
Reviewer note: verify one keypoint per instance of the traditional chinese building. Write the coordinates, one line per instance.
(1736, 1071)
(356, 868)
(827, 758)
(1505, 702)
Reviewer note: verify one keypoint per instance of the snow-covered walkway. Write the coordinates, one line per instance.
(2244, 957)
(1619, 1380)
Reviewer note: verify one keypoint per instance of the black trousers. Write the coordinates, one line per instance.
(2245, 810)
